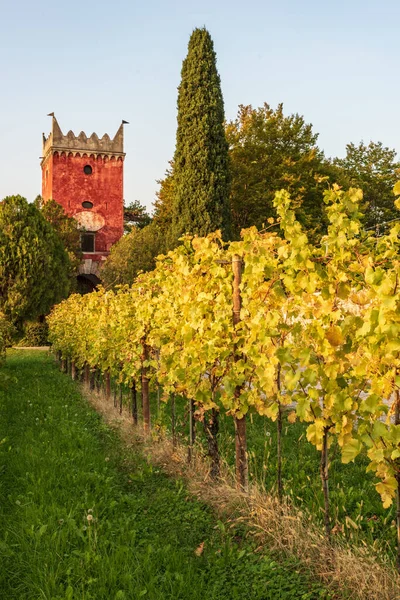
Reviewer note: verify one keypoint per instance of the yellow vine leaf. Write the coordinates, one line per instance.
(396, 189)
(350, 450)
(334, 336)
(387, 491)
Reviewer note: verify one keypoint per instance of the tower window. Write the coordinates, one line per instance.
(87, 242)
(87, 204)
(87, 169)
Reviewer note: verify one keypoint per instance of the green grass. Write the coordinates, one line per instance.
(356, 506)
(82, 517)
(354, 500)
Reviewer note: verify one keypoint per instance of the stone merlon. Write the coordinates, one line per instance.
(57, 141)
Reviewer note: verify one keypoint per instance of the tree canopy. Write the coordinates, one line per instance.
(66, 227)
(34, 266)
(134, 252)
(135, 215)
(270, 151)
(374, 169)
(201, 174)
(164, 204)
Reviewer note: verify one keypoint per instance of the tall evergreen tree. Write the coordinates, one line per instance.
(201, 164)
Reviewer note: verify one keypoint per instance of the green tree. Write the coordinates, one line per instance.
(270, 151)
(164, 204)
(374, 169)
(66, 228)
(201, 173)
(134, 252)
(34, 266)
(135, 215)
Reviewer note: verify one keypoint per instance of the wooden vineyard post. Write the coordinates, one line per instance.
(145, 386)
(64, 365)
(92, 379)
(173, 420)
(157, 355)
(242, 470)
(134, 403)
(324, 472)
(397, 422)
(158, 401)
(73, 370)
(279, 450)
(211, 428)
(120, 398)
(87, 374)
(192, 430)
(279, 438)
(98, 380)
(108, 385)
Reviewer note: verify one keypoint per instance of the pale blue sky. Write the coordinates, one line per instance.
(94, 63)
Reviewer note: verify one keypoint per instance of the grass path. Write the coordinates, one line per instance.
(82, 517)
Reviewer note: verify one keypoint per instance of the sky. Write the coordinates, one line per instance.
(94, 63)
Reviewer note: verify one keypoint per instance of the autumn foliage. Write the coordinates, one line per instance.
(318, 332)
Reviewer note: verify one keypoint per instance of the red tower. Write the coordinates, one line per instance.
(85, 175)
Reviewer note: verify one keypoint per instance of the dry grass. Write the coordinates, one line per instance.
(355, 571)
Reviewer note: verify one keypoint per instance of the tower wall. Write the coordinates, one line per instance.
(103, 187)
(78, 169)
(47, 180)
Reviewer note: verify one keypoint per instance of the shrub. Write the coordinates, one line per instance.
(35, 334)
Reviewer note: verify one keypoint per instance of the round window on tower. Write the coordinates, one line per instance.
(87, 169)
(87, 204)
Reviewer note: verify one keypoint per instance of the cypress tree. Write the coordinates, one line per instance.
(201, 163)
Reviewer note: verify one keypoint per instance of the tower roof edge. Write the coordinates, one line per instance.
(81, 142)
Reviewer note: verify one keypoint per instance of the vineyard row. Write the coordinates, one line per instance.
(258, 325)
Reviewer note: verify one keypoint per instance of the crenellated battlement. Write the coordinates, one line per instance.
(56, 141)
